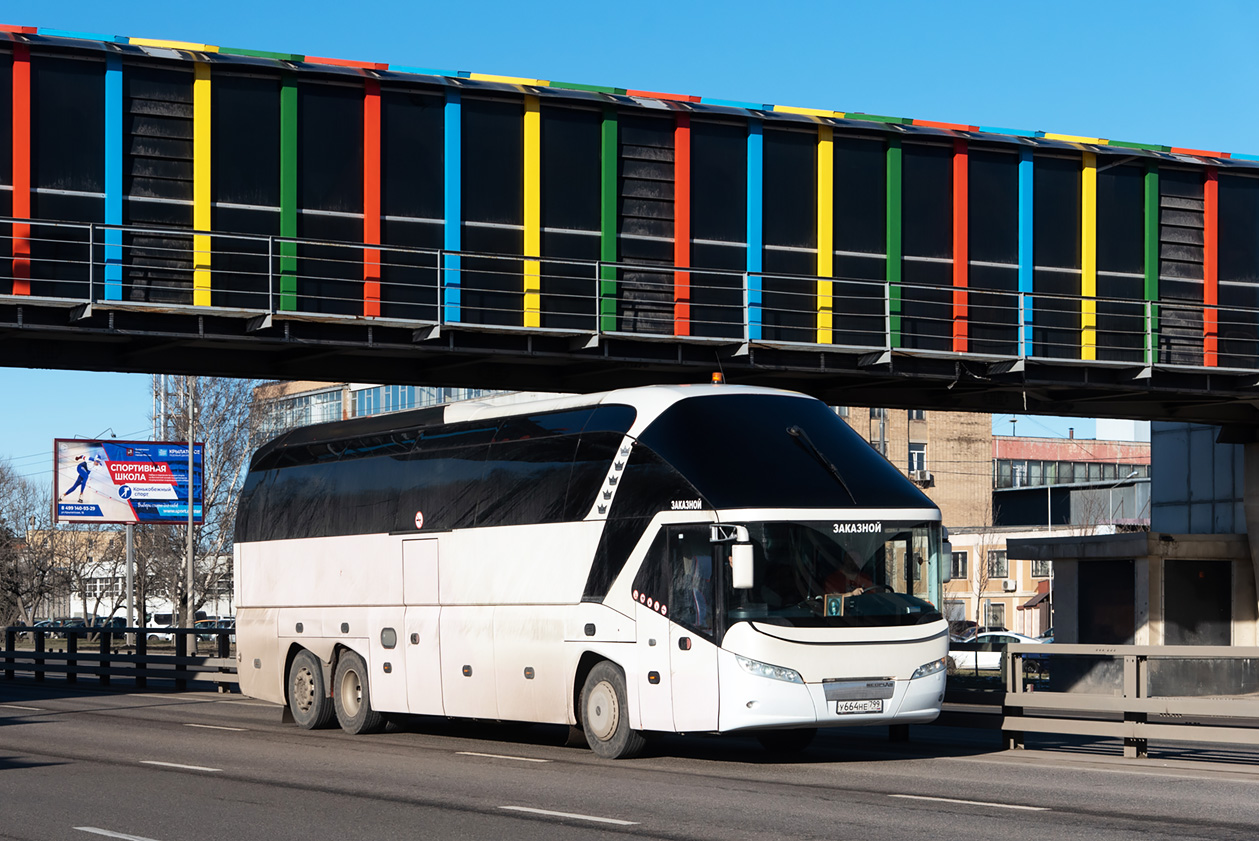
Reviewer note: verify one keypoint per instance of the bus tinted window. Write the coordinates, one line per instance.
(736, 451)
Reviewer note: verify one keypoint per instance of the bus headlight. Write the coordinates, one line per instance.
(756, 667)
(930, 668)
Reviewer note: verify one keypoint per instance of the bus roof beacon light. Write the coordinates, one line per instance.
(718, 378)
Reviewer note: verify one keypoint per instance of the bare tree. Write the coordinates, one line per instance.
(30, 574)
(223, 422)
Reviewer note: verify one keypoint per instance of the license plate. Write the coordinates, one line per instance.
(874, 705)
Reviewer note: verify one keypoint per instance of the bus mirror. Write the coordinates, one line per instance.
(741, 566)
(947, 567)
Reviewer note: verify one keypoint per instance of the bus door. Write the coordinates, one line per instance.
(693, 561)
(419, 638)
(677, 663)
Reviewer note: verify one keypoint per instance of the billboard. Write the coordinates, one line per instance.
(124, 481)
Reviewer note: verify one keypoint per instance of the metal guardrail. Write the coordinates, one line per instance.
(1025, 703)
(1028, 703)
(267, 278)
(105, 661)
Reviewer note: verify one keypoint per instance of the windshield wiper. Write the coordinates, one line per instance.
(805, 441)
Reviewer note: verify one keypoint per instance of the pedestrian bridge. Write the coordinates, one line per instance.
(187, 208)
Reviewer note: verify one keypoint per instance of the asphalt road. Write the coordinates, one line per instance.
(80, 766)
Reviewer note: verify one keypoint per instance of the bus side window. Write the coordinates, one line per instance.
(692, 598)
(653, 581)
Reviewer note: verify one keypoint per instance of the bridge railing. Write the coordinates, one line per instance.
(1135, 693)
(269, 277)
(103, 653)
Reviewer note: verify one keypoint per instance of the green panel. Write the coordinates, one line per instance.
(878, 118)
(608, 155)
(894, 238)
(288, 193)
(1146, 146)
(1151, 256)
(573, 86)
(261, 54)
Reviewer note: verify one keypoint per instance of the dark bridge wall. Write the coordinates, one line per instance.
(711, 219)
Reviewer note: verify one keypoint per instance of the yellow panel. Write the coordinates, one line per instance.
(511, 80)
(808, 112)
(173, 45)
(1071, 138)
(201, 185)
(825, 230)
(533, 212)
(1088, 257)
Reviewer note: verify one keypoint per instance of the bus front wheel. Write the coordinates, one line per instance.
(605, 714)
(308, 697)
(352, 698)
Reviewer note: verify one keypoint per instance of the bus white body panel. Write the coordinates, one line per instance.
(504, 621)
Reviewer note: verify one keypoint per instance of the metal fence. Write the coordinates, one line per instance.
(1203, 694)
(102, 654)
(266, 277)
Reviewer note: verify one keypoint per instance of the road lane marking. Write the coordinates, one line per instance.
(109, 834)
(572, 815)
(973, 802)
(16, 707)
(177, 765)
(500, 756)
(216, 727)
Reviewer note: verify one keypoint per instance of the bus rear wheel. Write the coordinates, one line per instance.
(352, 698)
(605, 714)
(786, 741)
(308, 697)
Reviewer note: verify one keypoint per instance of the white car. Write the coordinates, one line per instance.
(965, 660)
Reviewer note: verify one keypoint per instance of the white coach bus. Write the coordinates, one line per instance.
(697, 559)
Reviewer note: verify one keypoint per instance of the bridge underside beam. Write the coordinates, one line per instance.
(44, 335)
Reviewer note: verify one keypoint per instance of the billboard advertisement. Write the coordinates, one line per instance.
(124, 481)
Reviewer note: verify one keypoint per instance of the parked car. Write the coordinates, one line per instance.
(1047, 636)
(988, 659)
(158, 621)
(114, 623)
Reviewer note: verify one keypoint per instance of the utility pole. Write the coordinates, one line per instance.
(188, 561)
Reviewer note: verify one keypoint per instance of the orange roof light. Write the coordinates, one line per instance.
(718, 378)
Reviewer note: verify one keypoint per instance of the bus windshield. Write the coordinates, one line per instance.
(828, 574)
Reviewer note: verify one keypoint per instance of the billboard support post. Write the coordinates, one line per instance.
(131, 565)
(190, 614)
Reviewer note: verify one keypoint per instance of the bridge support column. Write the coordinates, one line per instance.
(1251, 506)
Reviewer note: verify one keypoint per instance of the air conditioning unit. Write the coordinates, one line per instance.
(1009, 586)
(922, 478)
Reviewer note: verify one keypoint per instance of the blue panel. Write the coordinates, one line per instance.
(756, 243)
(113, 177)
(733, 103)
(83, 36)
(423, 71)
(1015, 132)
(1026, 252)
(454, 203)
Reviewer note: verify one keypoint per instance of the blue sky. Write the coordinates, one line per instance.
(1155, 72)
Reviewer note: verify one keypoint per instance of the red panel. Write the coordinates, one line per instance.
(961, 240)
(1210, 272)
(20, 30)
(1176, 150)
(341, 62)
(949, 126)
(371, 197)
(21, 168)
(672, 97)
(682, 225)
